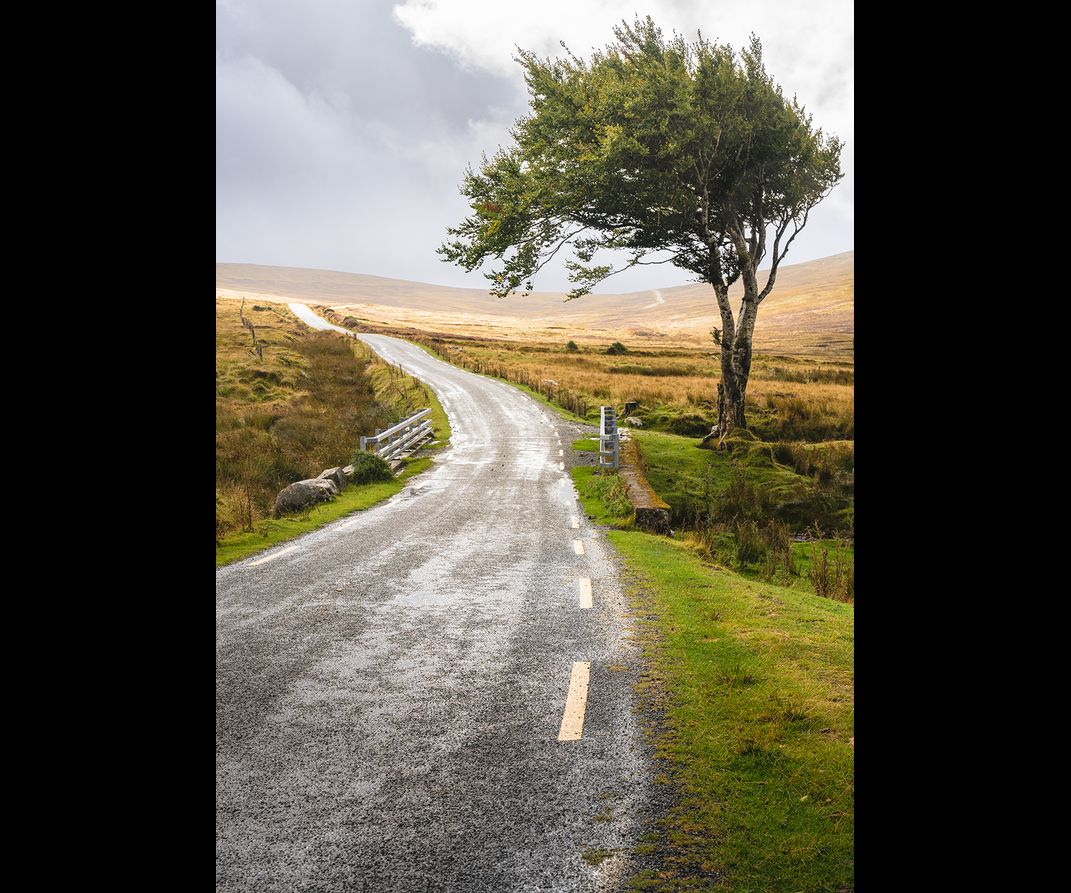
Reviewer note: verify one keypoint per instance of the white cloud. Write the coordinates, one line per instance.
(808, 48)
(342, 136)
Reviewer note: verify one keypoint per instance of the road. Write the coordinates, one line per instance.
(390, 689)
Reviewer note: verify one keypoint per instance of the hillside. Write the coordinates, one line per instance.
(811, 310)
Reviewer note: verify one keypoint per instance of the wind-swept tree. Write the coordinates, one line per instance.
(684, 151)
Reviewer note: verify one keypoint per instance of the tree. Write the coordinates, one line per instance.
(652, 147)
(572, 346)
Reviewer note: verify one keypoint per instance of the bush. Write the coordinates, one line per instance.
(832, 579)
(571, 346)
(742, 501)
(368, 468)
(779, 557)
(749, 542)
(616, 348)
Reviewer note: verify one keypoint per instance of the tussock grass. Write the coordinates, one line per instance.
(294, 410)
(301, 414)
(268, 532)
(789, 399)
(740, 508)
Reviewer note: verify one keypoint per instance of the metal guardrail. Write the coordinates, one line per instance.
(389, 444)
(609, 439)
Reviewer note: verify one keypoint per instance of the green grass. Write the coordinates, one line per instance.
(692, 480)
(587, 444)
(271, 531)
(606, 499)
(679, 470)
(756, 686)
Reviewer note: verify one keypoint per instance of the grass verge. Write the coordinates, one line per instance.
(272, 531)
(755, 686)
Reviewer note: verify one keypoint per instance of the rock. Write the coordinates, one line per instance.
(337, 475)
(654, 520)
(348, 471)
(303, 494)
(634, 422)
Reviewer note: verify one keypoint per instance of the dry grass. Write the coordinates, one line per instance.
(676, 389)
(287, 414)
(810, 312)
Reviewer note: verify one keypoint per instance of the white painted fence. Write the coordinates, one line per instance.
(609, 439)
(406, 435)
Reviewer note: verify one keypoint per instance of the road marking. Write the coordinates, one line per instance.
(584, 585)
(272, 557)
(561, 466)
(575, 703)
(561, 452)
(574, 522)
(578, 547)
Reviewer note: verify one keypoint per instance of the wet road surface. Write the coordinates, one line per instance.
(390, 689)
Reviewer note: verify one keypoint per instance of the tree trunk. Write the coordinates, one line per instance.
(735, 372)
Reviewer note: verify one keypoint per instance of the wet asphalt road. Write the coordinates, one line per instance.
(389, 693)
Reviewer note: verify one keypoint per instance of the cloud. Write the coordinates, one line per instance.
(808, 48)
(808, 45)
(343, 129)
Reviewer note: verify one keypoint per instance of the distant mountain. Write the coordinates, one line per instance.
(810, 310)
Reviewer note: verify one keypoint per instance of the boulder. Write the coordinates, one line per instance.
(337, 475)
(633, 422)
(348, 471)
(303, 494)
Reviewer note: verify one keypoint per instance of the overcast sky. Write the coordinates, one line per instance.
(343, 127)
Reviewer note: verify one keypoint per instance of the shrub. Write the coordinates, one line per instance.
(832, 579)
(234, 509)
(742, 501)
(750, 546)
(778, 542)
(368, 468)
(572, 346)
(616, 348)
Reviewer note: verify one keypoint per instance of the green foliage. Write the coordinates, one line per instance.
(572, 346)
(368, 468)
(616, 348)
(652, 145)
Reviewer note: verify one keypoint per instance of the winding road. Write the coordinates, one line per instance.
(391, 690)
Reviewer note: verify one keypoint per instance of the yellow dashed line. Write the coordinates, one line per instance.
(575, 703)
(584, 586)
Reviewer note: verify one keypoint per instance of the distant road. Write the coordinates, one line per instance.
(391, 689)
(657, 301)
